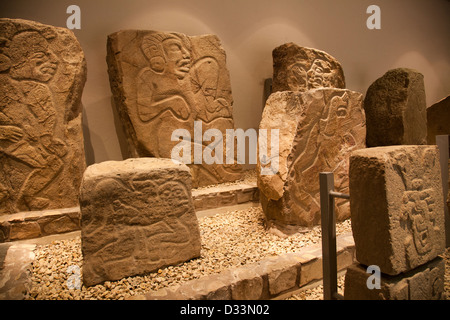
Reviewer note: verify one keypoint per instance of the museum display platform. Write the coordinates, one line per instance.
(278, 274)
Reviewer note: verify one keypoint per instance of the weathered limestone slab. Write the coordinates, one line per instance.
(166, 81)
(423, 283)
(298, 68)
(397, 206)
(395, 106)
(318, 130)
(42, 75)
(136, 216)
(438, 120)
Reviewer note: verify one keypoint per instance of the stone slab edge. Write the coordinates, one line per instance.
(36, 224)
(264, 280)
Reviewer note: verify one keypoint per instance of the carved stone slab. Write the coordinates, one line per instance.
(298, 68)
(137, 216)
(42, 75)
(166, 81)
(395, 106)
(438, 120)
(423, 283)
(318, 130)
(397, 206)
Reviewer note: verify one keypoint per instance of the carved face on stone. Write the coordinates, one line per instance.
(319, 74)
(416, 207)
(173, 196)
(178, 58)
(31, 57)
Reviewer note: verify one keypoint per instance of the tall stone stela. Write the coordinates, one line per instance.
(317, 131)
(42, 75)
(165, 81)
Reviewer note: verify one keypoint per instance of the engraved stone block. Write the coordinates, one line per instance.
(438, 120)
(395, 108)
(166, 81)
(423, 283)
(42, 75)
(298, 68)
(397, 206)
(317, 131)
(137, 216)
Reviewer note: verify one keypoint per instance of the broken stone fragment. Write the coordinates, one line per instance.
(438, 120)
(395, 106)
(297, 68)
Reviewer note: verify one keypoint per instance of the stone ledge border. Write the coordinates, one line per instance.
(36, 224)
(271, 278)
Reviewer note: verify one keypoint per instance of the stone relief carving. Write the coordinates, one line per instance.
(320, 75)
(397, 206)
(178, 80)
(136, 210)
(38, 108)
(321, 128)
(418, 214)
(323, 143)
(300, 69)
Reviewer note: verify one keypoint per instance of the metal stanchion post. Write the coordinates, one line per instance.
(329, 256)
(329, 259)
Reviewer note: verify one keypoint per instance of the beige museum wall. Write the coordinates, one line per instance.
(414, 34)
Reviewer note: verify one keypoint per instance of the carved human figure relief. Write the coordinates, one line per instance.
(323, 143)
(160, 86)
(177, 80)
(37, 108)
(319, 130)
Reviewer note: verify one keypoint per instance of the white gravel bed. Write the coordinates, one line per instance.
(229, 240)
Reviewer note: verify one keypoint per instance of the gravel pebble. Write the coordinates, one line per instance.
(229, 240)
